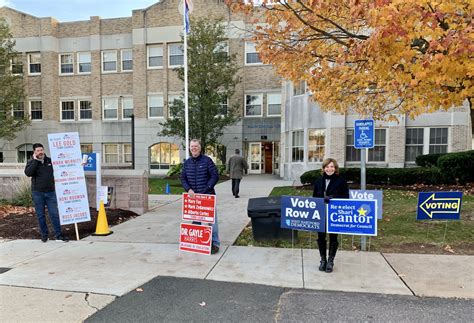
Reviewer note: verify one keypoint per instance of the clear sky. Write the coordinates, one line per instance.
(72, 10)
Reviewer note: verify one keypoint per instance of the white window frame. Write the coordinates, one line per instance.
(79, 109)
(261, 105)
(148, 56)
(317, 146)
(29, 62)
(115, 99)
(422, 145)
(103, 61)
(174, 96)
(428, 140)
(31, 100)
(61, 64)
(124, 99)
(23, 110)
(149, 97)
(300, 132)
(18, 63)
(169, 55)
(117, 146)
(268, 104)
(249, 46)
(78, 57)
(368, 153)
(220, 115)
(122, 60)
(61, 110)
(379, 145)
(123, 153)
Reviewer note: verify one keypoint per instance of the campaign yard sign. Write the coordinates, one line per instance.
(356, 217)
(195, 238)
(199, 207)
(439, 206)
(303, 213)
(369, 195)
(69, 179)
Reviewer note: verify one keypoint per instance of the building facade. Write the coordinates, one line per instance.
(309, 135)
(92, 76)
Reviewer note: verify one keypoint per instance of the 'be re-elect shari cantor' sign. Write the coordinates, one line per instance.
(303, 213)
(356, 217)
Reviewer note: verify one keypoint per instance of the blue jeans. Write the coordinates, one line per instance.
(215, 231)
(42, 200)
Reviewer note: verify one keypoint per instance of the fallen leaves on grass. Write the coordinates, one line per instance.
(6, 210)
(449, 249)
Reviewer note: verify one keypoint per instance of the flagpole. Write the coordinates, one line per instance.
(186, 119)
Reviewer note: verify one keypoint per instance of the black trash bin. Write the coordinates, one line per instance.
(265, 213)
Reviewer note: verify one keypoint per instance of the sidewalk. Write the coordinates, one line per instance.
(73, 280)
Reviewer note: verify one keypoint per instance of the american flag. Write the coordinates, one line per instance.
(188, 5)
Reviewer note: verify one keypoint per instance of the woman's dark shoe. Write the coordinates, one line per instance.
(322, 264)
(330, 265)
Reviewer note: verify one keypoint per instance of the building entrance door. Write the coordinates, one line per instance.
(268, 151)
(255, 158)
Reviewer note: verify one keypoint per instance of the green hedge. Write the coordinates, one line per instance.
(428, 160)
(458, 167)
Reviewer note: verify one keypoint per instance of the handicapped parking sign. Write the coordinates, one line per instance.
(439, 206)
(364, 133)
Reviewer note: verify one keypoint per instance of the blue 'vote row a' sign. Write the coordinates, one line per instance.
(355, 217)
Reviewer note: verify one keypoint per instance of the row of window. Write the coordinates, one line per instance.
(115, 108)
(110, 60)
(415, 144)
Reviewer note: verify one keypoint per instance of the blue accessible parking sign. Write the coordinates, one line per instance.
(364, 134)
(439, 206)
(303, 213)
(357, 217)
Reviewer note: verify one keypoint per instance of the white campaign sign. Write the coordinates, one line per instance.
(69, 179)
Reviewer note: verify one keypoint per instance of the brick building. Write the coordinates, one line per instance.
(91, 76)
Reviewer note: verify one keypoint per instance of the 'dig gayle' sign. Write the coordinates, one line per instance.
(303, 213)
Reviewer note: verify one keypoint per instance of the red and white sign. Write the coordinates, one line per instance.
(199, 207)
(195, 238)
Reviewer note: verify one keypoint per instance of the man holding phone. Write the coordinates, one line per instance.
(40, 169)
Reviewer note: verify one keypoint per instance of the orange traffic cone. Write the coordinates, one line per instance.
(102, 227)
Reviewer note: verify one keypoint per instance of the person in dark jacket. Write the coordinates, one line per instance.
(330, 185)
(200, 175)
(40, 169)
(236, 167)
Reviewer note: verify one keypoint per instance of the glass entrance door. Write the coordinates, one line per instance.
(255, 156)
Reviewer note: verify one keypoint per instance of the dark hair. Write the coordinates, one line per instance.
(327, 161)
(237, 151)
(37, 145)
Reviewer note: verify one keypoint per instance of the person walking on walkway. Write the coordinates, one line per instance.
(199, 176)
(236, 167)
(40, 169)
(330, 185)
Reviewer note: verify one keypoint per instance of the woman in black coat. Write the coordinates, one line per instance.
(330, 185)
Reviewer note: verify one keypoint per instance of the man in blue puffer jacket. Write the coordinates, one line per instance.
(200, 175)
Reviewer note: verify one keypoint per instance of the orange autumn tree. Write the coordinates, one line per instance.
(380, 58)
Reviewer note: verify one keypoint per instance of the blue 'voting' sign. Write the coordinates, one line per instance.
(355, 217)
(303, 213)
(369, 195)
(364, 134)
(439, 206)
(90, 162)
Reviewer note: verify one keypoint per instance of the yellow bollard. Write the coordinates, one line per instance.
(102, 227)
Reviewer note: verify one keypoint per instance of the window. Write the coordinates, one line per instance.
(273, 104)
(299, 88)
(163, 155)
(34, 63)
(155, 56)
(127, 107)
(85, 110)
(109, 61)
(438, 140)
(413, 144)
(86, 148)
(253, 105)
(67, 110)
(176, 55)
(66, 64)
(84, 63)
(297, 146)
(377, 154)
(127, 153)
(24, 152)
(251, 55)
(127, 59)
(17, 65)
(18, 110)
(171, 98)
(223, 107)
(155, 106)
(111, 153)
(110, 109)
(222, 49)
(352, 154)
(36, 110)
(316, 144)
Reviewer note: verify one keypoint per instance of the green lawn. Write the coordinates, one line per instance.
(158, 186)
(398, 231)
